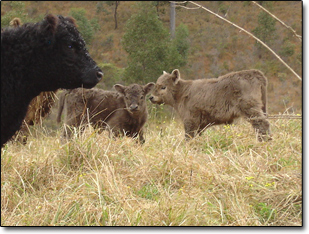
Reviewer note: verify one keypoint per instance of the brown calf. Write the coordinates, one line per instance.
(38, 109)
(206, 102)
(122, 112)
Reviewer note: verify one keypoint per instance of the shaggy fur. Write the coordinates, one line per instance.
(38, 108)
(206, 102)
(41, 57)
(122, 112)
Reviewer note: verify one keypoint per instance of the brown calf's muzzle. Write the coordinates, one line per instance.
(155, 100)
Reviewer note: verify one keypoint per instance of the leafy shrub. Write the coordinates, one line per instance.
(182, 43)
(265, 30)
(149, 46)
(84, 25)
(288, 49)
(100, 8)
(18, 10)
(112, 75)
(108, 43)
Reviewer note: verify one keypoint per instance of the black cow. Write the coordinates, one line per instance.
(40, 57)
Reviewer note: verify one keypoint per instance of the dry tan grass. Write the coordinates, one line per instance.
(225, 177)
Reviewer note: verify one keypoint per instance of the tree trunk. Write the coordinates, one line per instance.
(115, 13)
(172, 19)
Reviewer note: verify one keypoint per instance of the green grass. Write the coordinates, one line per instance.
(223, 178)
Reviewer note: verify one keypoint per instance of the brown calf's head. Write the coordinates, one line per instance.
(134, 96)
(165, 88)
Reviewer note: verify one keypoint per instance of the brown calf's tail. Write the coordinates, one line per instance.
(263, 82)
(264, 99)
(264, 94)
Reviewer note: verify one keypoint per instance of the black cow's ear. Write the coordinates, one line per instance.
(71, 20)
(50, 24)
(148, 87)
(119, 88)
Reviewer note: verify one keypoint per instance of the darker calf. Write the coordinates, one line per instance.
(122, 112)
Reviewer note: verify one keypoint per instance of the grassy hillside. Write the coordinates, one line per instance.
(225, 177)
(216, 47)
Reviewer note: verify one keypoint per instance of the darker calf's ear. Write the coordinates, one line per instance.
(148, 87)
(119, 88)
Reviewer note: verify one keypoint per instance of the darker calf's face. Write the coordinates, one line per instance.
(135, 96)
(67, 60)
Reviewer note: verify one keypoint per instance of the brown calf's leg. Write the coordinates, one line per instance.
(191, 129)
(261, 127)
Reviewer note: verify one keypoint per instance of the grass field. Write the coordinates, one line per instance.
(225, 177)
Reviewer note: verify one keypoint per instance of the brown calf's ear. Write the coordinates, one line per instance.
(119, 88)
(175, 76)
(148, 87)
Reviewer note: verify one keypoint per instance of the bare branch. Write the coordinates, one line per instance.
(250, 34)
(179, 2)
(288, 27)
(188, 8)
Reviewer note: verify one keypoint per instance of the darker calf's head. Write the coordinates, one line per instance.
(135, 96)
(165, 88)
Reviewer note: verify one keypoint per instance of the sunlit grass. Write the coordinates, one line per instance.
(224, 177)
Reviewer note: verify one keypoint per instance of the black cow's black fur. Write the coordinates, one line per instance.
(41, 57)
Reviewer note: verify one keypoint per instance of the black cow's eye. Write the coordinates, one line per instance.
(163, 87)
(72, 45)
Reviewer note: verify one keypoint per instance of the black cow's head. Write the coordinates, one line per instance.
(63, 55)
